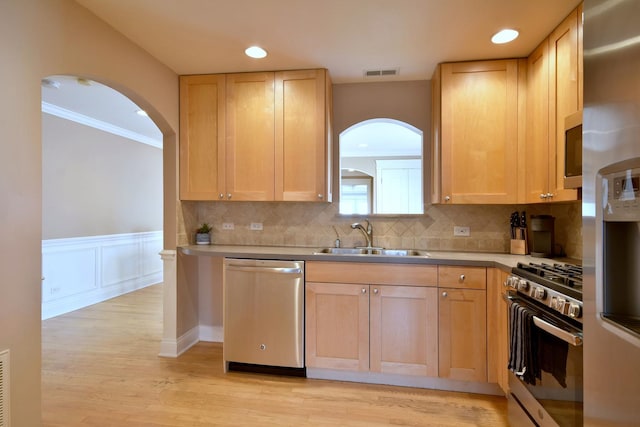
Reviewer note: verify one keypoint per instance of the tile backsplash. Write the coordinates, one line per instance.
(315, 225)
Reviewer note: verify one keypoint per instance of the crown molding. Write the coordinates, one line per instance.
(98, 124)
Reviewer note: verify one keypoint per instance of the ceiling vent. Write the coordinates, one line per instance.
(381, 73)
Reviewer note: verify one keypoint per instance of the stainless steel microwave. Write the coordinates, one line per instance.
(573, 150)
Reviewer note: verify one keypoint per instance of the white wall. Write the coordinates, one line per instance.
(39, 38)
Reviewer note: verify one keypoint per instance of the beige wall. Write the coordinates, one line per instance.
(39, 38)
(97, 183)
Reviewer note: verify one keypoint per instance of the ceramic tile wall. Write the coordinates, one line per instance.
(312, 225)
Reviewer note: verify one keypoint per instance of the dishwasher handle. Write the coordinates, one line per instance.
(279, 270)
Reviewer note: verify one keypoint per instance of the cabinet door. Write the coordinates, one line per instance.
(537, 146)
(479, 132)
(301, 135)
(564, 99)
(497, 329)
(462, 334)
(337, 326)
(250, 136)
(404, 330)
(202, 130)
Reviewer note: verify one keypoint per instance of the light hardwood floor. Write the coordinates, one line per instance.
(100, 368)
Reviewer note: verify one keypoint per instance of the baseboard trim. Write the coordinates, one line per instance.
(405, 380)
(211, 333)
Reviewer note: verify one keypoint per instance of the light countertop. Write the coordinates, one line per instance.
(500, 260)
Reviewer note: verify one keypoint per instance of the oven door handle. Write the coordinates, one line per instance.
(573, 339)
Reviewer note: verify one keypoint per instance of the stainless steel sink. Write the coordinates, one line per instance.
(371, 251)
(342, 251)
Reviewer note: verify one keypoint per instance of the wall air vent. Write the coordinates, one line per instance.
(4, 389)
(381, 73)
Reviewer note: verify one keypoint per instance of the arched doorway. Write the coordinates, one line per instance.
(102, 195)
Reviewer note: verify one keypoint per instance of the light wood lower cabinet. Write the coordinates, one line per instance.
(403, 330)
(497, 329)
(462, 314)
(462, 336)
(388, 329)
(337, 326)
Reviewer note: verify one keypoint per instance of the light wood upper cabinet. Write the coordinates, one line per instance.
(537, 147)
(202, 136)
(565, 77)
(270, 139)
(554, 92)
(462, 314)
(250, 165)
(476, 135)
(301, 134)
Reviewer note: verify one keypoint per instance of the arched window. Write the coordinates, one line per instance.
(381, 168)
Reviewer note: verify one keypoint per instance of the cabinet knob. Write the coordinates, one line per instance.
(220, 196)
(444, 294)
(375, 291)
(549, 195)
(447, 198)
(229, 196)
(364, 290)
(543, 196)
(462, 277)
(320, 196)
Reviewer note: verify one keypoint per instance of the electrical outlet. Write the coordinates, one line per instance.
(227, 226)
(461, 231)
(256, 226)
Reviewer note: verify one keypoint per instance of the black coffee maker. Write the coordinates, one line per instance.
(542, 231)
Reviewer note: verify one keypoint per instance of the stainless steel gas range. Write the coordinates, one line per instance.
(545, 345)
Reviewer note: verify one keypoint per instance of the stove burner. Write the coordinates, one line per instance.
(562, 277)
(564, 274)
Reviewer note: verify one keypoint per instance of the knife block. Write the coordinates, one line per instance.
(519, 246)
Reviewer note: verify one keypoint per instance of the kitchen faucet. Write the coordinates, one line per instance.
(368, 231)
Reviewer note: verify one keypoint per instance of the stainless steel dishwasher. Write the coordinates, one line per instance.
(263, 312)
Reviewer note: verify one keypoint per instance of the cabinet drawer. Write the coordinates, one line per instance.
(462, 277)
(368, 273)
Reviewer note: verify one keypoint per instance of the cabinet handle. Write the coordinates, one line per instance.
(447, 198)
(462, 277)
(375, 291)
(444, 294)
(364, 290)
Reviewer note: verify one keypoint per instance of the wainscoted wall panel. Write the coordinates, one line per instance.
(312, 225)
(69, 271)
(81, 271)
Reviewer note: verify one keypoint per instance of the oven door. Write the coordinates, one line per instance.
(548, 402)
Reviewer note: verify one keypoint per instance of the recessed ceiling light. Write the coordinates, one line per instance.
(255, 52)
(504, 36)
(50, 83)
(142, 113)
